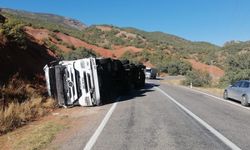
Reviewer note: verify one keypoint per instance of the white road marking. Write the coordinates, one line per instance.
(98, 131)
(226, 141)
(227, 101)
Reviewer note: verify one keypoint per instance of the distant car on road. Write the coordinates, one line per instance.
(239, 91)
(150, 73)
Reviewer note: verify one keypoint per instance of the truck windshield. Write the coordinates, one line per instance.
(85, 82)
(89, 81)
(78, 83)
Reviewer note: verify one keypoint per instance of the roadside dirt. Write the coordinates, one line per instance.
(41, 34)
(27, 63)
(83, 123)
(119, 50)
(77, 121)
(214, 71)
(177, 80)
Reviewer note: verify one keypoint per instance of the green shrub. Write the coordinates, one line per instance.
(237, 68)
(232, 76)
(44, 23)
(107, 46)
(160, 59)
(78, 54)
(197, 78)
(13, 30)
(145, 54)
(132, 57)
(70, 46)
(178, 67)
(51, 46)
(52, 34)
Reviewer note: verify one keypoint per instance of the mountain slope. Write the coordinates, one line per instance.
(114, 36)
(234, 47)
(63, 36)
(110, 36)
(42, 17)
(20, 54)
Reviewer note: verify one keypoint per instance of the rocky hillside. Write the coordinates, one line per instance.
(234, 47)
(46, 37)
(41, 17)
(20, 55)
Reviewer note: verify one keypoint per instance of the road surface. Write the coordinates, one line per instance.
(152, 119)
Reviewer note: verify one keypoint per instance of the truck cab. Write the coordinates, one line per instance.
(73, 82)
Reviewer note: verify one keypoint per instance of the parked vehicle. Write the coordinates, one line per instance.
(91, 81)
(239, 91)
(151, 73)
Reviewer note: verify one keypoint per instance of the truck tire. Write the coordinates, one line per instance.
(125, 61)
(126, 66)
(104, 60)
(117, 65)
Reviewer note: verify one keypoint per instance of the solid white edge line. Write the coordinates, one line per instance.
(226, 141)
(227, 101)
(98, 131)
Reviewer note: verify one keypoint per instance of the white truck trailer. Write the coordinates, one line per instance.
(91, 81)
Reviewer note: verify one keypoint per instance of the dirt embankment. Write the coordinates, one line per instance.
(214, 71)
(41, 34)
(27, 63)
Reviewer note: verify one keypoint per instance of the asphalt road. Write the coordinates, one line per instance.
(148, 119)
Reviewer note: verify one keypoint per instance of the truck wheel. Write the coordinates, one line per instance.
(125, 62)
(104, 60)
(126, 66)
(117, 65)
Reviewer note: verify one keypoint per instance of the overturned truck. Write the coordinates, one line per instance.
(91, 81)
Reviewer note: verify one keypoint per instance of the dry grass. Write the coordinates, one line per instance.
(16, 115)
(174, 82)
(21, 103)
(41, 136)
(212, 90)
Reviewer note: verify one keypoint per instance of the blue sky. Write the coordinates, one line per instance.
(215, 21)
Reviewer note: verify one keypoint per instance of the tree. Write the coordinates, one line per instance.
(78, 54)
(237, 68)
(197, 78)
(13, 30)
(178, 67)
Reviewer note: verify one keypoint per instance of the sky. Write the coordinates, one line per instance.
(215, 21)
